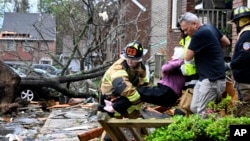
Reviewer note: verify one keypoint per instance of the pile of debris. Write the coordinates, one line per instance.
(51, 120)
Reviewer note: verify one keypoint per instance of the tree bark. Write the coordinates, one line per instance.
(8, 83)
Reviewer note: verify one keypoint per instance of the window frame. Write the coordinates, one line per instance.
(10, 45)
(176, 12)
(27, 46)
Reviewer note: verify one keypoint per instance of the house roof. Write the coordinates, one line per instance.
(38, 26)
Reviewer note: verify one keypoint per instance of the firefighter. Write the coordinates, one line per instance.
(118, 86)
(241, 55)
(188, 69)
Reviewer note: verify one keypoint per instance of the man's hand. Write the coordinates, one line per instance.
(108, 106)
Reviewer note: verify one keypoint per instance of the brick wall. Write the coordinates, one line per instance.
(21, 55)
(159, 26)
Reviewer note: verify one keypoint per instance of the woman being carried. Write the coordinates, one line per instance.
(169, 88)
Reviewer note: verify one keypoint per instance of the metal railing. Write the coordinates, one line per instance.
(216, 17)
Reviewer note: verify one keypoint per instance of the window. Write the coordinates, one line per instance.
(176, 12)
(10, 46)
(27, 46)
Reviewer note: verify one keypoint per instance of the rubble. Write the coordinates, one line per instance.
(49, 120)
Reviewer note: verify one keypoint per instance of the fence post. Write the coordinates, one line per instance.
(159, 61)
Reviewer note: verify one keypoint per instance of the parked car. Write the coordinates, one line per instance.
(28, 92)
(51, 70)
(19, 72)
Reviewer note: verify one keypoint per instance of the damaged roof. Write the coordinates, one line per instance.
(38, 26)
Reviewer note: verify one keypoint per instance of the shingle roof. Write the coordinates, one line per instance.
(39, 26)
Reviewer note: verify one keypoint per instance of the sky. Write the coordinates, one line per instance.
(8, 7)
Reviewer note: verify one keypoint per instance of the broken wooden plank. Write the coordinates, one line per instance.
(57, 105)
(114, 133)
(114, 126)
(94, 133)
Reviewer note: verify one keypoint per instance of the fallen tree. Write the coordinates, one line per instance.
(10, 81)
(58, 83)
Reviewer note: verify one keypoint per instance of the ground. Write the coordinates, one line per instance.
(31, 123)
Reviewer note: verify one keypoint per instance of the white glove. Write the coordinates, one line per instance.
(228, 66)
(108, 106)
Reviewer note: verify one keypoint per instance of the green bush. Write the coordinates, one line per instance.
(195, 127)
(219, 129)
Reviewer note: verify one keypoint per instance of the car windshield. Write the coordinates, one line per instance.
(48, 68)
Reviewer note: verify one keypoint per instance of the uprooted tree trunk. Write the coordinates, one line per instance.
(10, 81)
(8, 84)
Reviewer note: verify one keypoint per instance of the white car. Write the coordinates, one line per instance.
(20, 73)
(52, 71)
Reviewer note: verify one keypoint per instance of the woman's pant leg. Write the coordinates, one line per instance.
(158, 95)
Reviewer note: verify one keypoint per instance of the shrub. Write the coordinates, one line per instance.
(195, 127)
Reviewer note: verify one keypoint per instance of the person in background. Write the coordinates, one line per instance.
(205, 47)
(241, 55)
(120, 97)
(188, 69)
(168, 89)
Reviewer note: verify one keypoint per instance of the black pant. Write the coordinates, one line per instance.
(159, 95)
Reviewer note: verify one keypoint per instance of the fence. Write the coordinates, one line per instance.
(159, 61)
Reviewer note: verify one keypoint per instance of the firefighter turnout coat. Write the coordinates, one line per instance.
(121, 80)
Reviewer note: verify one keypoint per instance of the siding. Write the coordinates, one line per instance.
(159, 26)
(159, 18)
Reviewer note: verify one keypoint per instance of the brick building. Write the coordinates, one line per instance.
(28, 37)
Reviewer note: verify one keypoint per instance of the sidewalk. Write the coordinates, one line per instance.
(65, 124)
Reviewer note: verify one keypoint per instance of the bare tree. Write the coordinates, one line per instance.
(95, 36)
(21, 6)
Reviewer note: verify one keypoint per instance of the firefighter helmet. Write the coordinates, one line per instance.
(239, 12)
(134, 51)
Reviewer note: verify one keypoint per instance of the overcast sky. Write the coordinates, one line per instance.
(8, 7)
